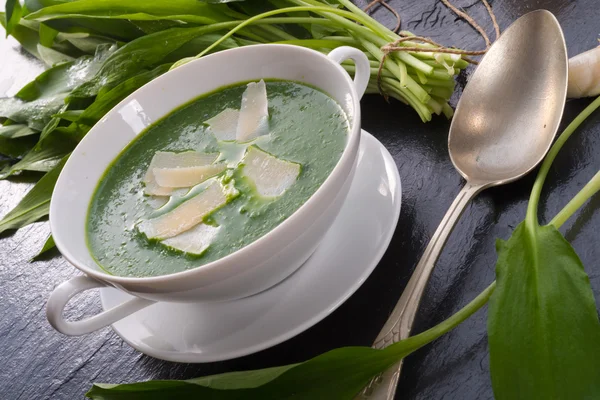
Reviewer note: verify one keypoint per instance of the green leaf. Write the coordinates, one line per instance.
(47, 35)
(48, 245)
(543, 328)
(220, 1)
(36, 114)
(108, 100)
(28, 38)
(182, 10)
(39, 100)
(17, 147)
(63, 78)
(328, 376)
(137, 55)
(52, 57)
(88, 44)
(13, 15)
(156, 26)
(35, 204)
(14, 131)
(71, 115)
(54, 143)
(198, 44)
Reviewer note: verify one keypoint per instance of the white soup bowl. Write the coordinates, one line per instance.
(250, 270)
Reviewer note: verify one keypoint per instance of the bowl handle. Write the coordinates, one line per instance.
(66, 290)
(363, 68)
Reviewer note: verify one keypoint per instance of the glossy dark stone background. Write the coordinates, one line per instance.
(39, 363)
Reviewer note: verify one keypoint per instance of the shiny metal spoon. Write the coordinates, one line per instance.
(504, 124)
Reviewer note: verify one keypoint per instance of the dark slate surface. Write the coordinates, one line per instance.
(39, 363)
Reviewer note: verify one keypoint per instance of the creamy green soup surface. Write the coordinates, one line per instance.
(250, 183)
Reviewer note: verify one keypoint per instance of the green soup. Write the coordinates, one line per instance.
(306, 127)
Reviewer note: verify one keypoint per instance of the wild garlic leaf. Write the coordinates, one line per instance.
(39, 100)
(28, 38)
(17, 147)
(137, 55)
(65, 77)
(158, 25)
(120, 30)
(48, 245)
(35, 204)
(198, 44)
(182, 10)
(13, 14)
(220, 1)
(54, 143)
(108, 100)
(53, 57)
(47, 35)
(36, 114)
(338, 374)
(14, 130)
(543, 328)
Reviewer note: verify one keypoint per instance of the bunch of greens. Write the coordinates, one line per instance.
(100, 51)
(544, 333)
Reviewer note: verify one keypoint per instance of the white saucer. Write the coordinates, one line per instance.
(357, 240)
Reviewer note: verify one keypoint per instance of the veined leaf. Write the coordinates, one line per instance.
(35, 204)
(220, 1)
(120, 30)
(48, 245)
(54, 143)
(65, 77)
(36, 114)
(16, 147)
(34, 5)
(543, 327)
(39, 100)
(108, 100)
(158, 25)
(88, 44)
(71, 115)
(47, 35)
(198, 44)
(182, 10)
(13, 14)
(328, 376)
(28, 38)
(13, 131)
(145, 52)
(53, 57)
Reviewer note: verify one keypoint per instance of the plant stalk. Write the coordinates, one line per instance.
(532, 209)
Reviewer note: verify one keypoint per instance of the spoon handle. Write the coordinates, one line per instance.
(399, 324)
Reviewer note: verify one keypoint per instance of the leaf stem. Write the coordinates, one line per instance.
(532, 209)
(258, 17)
(590, 189)
(440, 329)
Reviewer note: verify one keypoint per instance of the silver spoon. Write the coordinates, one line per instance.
(504, 124)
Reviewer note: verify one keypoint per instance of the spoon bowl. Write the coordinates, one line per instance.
(505, 122)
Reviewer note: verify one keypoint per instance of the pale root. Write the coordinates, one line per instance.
(584, 74)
